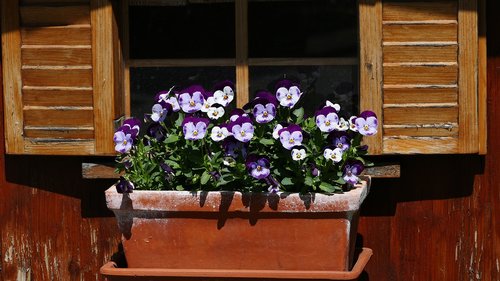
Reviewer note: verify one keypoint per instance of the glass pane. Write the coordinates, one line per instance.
(323, 28)
(339, 84)
(185, 30)
(145, 82)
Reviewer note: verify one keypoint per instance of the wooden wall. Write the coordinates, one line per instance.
(439, 221)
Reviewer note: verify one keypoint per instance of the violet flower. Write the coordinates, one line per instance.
(274, 185)
(124, 186)
(237, 112)
(343, 125)
(276, 131)
(287, 93)
(156, 131)
(219, 133)
(258, 166)
(340, 139)
(194, 128)
(335, 106)
(234, 148)
(291, 136)
(352, 124)
(169, 98)
(191, 100)
(351, 172)
(123, 141)
(242, 129)
(298, 154)
(224, 93)
(333, 154)
(209, 101)
(367, 123)
(160, 111)
(131, 126)
(264, 107)
(327, 119)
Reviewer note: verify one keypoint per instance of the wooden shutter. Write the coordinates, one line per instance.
(59, 66)
(419, 63)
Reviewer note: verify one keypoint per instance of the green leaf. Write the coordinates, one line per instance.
(326, 187)
(171, 139)
(308, 181)
(266, 141)
(299, 113)
(287, 181)
(205, 177)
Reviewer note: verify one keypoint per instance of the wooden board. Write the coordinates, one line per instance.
(434, 130)
(422, 145)
(424, 75)
(420, 115)
(404, 95)
(59, 118)
(59, 133)
(420, 54)
(420, 11)
(54, 15)
(57, 77)
(57, 97)
(57, 56)
(69, 35)
(420, 33)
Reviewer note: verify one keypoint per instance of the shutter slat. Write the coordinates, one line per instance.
(53, 97)
(420, 32)
(57, 77)
(420, 95)
(58, 132)
(58, 118)
(424, 145)
(424, 54)
(54, 15)
(68, 35)
(438, 74)
(57, 56)
(420, 11)
(420, 115)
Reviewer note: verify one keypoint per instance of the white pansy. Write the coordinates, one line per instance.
(352, 124)
(208, 104)
(225, 96)
(276, 129)
(219, 133)
(298, 154)
(335, 155)
(215, 112)
(336, 106)
(343, 125)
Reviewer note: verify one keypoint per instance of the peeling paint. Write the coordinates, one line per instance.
(498, 266)
(23, 274)
(8, 254)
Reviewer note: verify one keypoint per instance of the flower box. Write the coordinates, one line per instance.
(223, 230)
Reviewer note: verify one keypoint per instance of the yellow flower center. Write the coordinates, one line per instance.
(124, 141)
(259, 168)
(215, 113)
(291, 140)
(265, 114)
(327, 123)
(366, 127)
(195, 133)
(333, 157)
(219, 134)
(191, 103)
(339, 145)
(242, 133)
(289, 96)
(225, 97)
(206, 105)
(299, 155)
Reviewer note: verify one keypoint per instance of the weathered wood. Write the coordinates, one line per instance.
(370, 65)
(53, 2)
(467, 80)
(57, 77)
(57, 97)
(59, 132)
(420, 95)
(57, 56)
(428, 130)
(420, 11)
(420, 54)
(420, 145)
(438, 74)
(180, 62)
(420, 115)
(54, 15)
(302, 61)
(58, 117)
(64, 147)
(56, 35)
(482, 105)
(420, 33)
(242, 75)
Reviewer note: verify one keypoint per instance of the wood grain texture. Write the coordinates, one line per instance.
(433, 130)
(54, 15)
(53, 2)
(58, 117)
(242, 75)
(57, 77)
(370, 72)
(420, 115)
(419, 11)
(437, 74)
(420, 95)
(482, 105)
(402, 54)
(420, 33)
(58, 132)
(53, 97)
(11, 56)
(57, 56)
(467, 81)
(55, 35)
(420, 145)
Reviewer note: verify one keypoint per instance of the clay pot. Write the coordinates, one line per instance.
(181, 230)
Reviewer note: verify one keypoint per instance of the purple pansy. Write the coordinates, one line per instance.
(291, 136)
(242, 128)
(156, 131)
(123, 141)
(234, 148)
(131, 126)
(264, 107)
(194, 128)
(351, 172)
(276, 131)
(124, 186)
(237, 112)
(258, 166)
(327, 119)
(274, 185)
(340, 139)
(352, 124)
(191, 99)
(287, 93)
(367, 123)
(224, 93)
(160, 111)
(168, 97)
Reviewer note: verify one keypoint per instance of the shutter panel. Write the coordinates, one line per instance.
(58, 62)
(422, 76)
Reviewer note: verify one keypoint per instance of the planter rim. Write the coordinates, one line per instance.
(216, 201)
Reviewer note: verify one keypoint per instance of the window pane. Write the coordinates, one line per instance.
(145, 82)
(200, 30)
(339, 84)
(323, 28)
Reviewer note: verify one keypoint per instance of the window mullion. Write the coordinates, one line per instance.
(241, 36)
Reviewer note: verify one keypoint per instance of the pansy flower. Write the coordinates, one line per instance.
(219, 133)
(351, 172)
(215, 112)
(263, 107)
(291, 136)
(274, 185)
(327, 119)
(157, 131)
(209, 102)
(124, 186)
(352, 124)
(298, 154)
(287, 93)
(234, 148)
(131, 126)
(169, 98)
(333, 154)
(258, 166)
(160, 111)
(335, 106)
(236, 113)
(191, 99)
(343, 125)
(340, 139)
(224, 93)
(194, 128)
(276, 131)
(242, 129)
(123, 141)
(367, 123)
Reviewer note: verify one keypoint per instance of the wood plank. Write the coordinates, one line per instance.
(103, 75)
(180, 62)
(420, 115)
(422, 145)
(420, 33)
(53, 2)
(56, 56)
(302, 61)
(467, 80)
(57, 77)
(54, 15)
(420, 11)
(482, 105)
(69, 35)
(435, 130)
(370, 11)
(393, 54)
(420, 95)
(58, 117)
(52, 97)
(12, 83)
(59, 133)
(46, 147)
(439, 74)
(242, 75)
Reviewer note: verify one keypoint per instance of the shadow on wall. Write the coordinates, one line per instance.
(61, 175)
(423, 177)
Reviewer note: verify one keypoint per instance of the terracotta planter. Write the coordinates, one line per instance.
(231, 230)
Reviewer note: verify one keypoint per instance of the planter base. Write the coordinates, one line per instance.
(112, 273)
